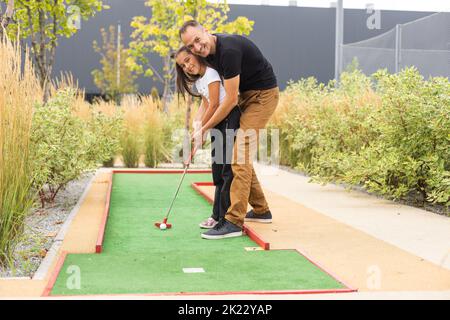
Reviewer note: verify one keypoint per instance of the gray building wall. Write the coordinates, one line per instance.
(298, 41)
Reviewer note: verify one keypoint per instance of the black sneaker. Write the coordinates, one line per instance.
(262, 218)
(224, 229)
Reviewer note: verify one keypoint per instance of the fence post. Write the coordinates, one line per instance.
(339, 39)
(398, 47)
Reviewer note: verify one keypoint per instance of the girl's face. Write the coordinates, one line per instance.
(189, 63)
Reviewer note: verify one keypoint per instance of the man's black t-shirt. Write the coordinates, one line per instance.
(237, 55)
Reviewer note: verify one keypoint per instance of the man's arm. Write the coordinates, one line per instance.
(230, 101)
(197, 123)
(201, 110)
(214, 92)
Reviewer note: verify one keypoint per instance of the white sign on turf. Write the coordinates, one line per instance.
(193, 270)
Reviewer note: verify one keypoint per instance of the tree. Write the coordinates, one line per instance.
(6, 18)
(42, 22)
(114, 78)
(159, 34)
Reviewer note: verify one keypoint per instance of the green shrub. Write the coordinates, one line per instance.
(107, 131)
(130, 150)
(62, 146)
(155, 142)
(155, 146)
(329, 124)
(389, 133)
(411, 155)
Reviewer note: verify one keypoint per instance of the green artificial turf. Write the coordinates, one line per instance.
(139, 258)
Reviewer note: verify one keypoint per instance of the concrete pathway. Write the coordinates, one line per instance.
(422, 233)
(417, 234)
(360, 260)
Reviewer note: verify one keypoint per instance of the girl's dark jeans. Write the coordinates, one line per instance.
(221, 154)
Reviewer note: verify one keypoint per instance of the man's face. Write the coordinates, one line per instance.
(197, 40)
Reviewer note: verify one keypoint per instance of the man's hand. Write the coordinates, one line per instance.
(196, 125)
(198, 138)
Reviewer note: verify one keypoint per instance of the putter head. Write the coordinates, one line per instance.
(158, 224)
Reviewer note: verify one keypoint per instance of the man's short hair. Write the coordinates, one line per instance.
(190, 23)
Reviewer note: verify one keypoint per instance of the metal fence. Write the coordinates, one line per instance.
(423, 43)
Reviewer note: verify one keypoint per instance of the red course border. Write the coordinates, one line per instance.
(249, 231)
(101, 232)
(54, 276)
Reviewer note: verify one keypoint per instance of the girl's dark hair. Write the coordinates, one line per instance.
(185, 81)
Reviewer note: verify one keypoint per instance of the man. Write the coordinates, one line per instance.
(250, 82)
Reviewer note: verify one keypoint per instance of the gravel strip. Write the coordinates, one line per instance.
(42, 226)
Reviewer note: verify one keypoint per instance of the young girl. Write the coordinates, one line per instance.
(194, 70)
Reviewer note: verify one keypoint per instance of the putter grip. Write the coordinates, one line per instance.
(191, 155)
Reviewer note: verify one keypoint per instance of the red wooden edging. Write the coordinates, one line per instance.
(310, 259)
(266, 245)
(55, 273)
(101, 231)
(250, 232)
(197, 185)
(215, 293)
(256, 237)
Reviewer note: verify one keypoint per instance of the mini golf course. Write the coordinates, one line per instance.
(138, 258)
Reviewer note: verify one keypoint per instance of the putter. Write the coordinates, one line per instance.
(168, 225)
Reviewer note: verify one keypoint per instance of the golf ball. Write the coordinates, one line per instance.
(162, 226)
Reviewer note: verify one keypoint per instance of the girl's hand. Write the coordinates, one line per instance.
(191, 156)
(198, 138)
(196, 125)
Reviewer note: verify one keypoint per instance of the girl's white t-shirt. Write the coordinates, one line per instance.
(202, 83)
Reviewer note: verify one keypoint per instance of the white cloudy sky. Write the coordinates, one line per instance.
(406, 5)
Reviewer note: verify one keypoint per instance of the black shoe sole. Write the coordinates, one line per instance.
(222, 236)
(258, 220)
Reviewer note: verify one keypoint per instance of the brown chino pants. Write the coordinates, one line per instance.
(257, 107)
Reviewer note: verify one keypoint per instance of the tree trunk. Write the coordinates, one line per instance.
(165, 97)
(7, 17)
(43, 57)
(46, 87)
(187, 123)
(168, 77)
